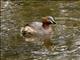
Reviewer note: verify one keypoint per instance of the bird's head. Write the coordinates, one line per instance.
(49, 19)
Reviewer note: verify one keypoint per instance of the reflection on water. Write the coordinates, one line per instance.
(66, 38)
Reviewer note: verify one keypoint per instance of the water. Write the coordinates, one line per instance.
(66, 39)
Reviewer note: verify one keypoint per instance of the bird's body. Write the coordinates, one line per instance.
(35, 29)
(41, 30)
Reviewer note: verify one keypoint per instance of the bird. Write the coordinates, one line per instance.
(42, 30)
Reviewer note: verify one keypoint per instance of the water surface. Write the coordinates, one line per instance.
(66, 38)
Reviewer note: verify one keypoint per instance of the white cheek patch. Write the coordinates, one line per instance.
(51, 21)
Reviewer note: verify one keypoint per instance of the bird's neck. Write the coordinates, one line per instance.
(46, 25)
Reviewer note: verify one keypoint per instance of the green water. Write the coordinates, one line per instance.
(66, 38)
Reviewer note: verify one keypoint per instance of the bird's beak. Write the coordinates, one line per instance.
(54, 22)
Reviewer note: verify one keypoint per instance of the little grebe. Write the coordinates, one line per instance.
(42, 30)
